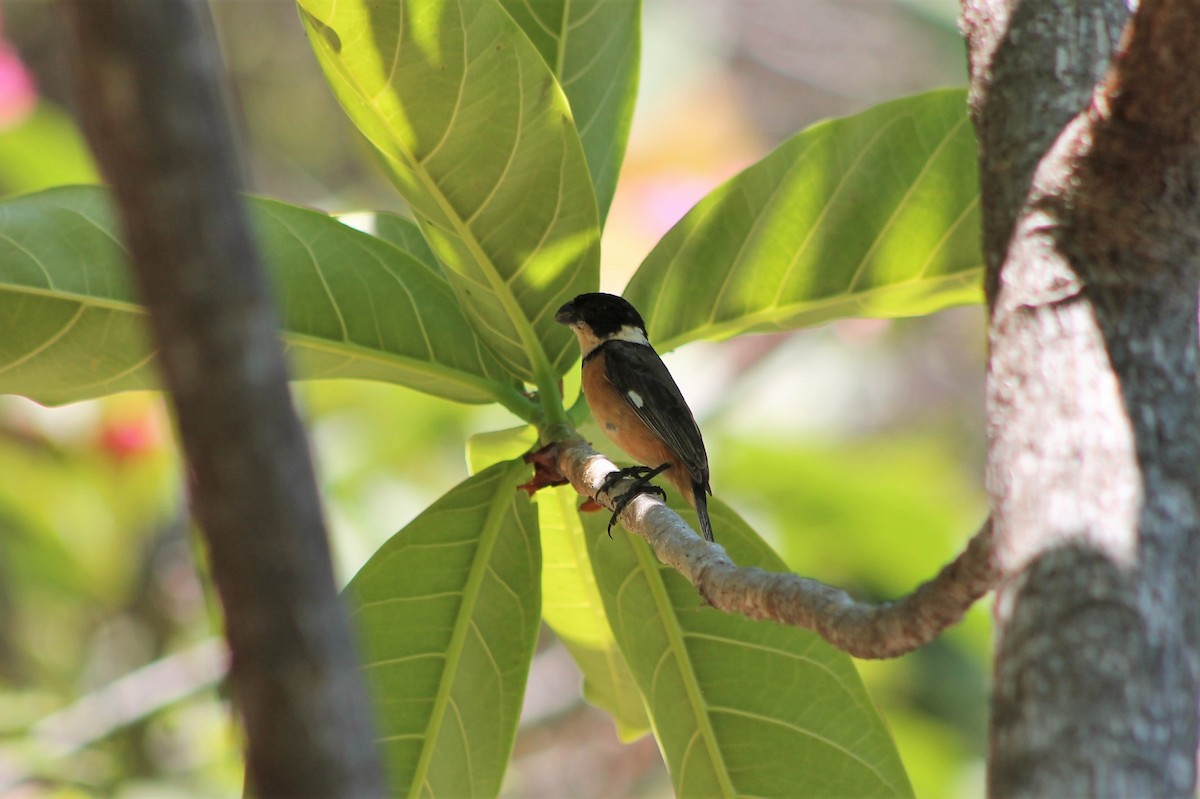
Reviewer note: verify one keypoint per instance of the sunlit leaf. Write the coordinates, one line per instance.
(740, 707)
(352, 305)
(572, 606)
(493, 446)
(592, 46)
(478, 137)
(447, 611)
(875, 214)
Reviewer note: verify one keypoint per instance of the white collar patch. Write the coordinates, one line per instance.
(631, 334)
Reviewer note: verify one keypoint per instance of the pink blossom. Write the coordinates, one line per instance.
(18, 92)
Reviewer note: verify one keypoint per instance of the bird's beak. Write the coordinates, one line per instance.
(566, 315)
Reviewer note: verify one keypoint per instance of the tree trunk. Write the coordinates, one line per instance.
(1090, 170)
(149, 89)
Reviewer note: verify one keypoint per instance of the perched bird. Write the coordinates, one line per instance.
(635, 400)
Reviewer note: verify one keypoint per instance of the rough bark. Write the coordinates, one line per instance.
(1091, 211)
(148, 89)
(863, 629)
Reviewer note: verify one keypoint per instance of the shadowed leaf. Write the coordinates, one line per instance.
(352, 306)
(447, 612)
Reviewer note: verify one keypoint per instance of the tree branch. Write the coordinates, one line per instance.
(862, 629)
(146, 72)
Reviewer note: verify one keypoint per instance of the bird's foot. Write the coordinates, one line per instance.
(641, 485)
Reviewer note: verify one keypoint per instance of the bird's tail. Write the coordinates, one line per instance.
(702, 510)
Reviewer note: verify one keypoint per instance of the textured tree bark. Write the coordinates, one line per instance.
(1090, 169)
(149, 92)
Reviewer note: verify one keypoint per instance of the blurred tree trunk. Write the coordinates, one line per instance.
(1090, 170)
(148, 79)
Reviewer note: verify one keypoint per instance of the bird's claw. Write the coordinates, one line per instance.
(641, 485)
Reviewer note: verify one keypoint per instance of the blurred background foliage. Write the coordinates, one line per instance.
(856, 449)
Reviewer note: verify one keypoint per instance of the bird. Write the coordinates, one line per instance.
(636, 402)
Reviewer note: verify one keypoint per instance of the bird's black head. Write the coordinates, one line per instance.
(605, 314)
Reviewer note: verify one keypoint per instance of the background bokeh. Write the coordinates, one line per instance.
(856, 449)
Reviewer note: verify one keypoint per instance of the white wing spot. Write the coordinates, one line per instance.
(635, 398)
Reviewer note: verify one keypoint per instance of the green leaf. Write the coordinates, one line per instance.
(447, 612)
(478, 137)
(740, 707)
(399, 231)
(870, 215)
(573, 608)
(493, 446)
(592, 47)
(44, 150)
(571, 603)
(352, 306)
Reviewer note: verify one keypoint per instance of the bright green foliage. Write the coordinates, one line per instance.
(353, 306)
(740, 708)
(485, 449)
(447, 612)
(871, 215)
(573, 608)
(592, 47)
(478, 137)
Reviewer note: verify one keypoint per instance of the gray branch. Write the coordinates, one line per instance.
(146, 72)
(862, 629)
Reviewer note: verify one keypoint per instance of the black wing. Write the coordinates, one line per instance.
(637, 372)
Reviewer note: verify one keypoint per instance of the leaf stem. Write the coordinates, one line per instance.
(554, 415)
(512, 399)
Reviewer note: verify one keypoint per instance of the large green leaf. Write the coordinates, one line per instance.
(448, 612)
(740, 707)
(352, 306)
(396, 230)
(478, 137)
(572, 606)
(571, 603)
(593, 48)
(870, 215)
